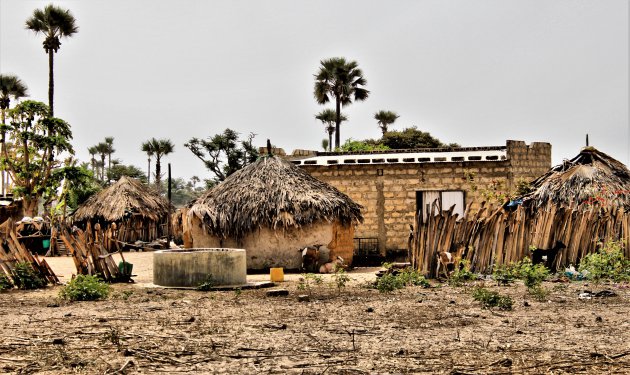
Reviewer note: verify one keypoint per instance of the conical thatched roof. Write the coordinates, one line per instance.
(590, 178)
(272, 193)
(128, 195)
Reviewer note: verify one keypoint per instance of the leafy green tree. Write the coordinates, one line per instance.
(343, 81)
(182, 192)
(36, 137)
(10, 87)
(54, 23)
(222, 154)
(412, 138)
(159, 148)
(385, 118)
(328, 117)
(325, 144)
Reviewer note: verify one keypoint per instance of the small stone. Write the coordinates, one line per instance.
(58, 341)
(519, 332)
(369, 309)
(67, 315)
(102, 320)
(53, 304)
(599, 319)
(277, 293)
(191, 319)
(303, 298)
(452, 302)
(526, 304)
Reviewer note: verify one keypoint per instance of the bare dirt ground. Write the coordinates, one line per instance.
(141, 329)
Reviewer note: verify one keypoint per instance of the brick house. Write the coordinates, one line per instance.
(393, 185)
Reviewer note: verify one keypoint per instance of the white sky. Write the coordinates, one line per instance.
(467, 71)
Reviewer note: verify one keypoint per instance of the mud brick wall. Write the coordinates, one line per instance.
(389, 200)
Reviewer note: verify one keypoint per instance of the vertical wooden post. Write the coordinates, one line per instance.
(168, 222)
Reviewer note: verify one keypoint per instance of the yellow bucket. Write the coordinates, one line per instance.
(276, 274)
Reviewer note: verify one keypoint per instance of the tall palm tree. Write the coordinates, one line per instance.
(328, 117)
(10, 86)
(146, 147)
(159, 147)
(93, 151)
(109, 141)
(54, 23)
(102, 149)
(341, 80)
(385, 118)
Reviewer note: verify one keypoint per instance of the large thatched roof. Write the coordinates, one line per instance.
(127, 196)
(271, 193)
(590, 178)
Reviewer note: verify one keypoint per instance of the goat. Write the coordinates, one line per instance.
(310, 258)
(547, 256)
(448, 261)
(332, 266)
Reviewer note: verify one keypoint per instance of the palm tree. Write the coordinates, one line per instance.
(109, 141)
(159, 147)
(146, 147)
(93, 151)
(328, 117)
(10, 86)
(342, 80)
(102, 149)
(385, 118)
(54, 23)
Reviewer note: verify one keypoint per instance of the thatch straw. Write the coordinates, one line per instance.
(590, 178)
(127, 196)
(271, 193)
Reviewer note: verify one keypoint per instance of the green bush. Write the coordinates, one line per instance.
(85, 288)
(490, 299)
(307, 280)
(340, 279)
(207, 285)
(5, 282)
(608, 262)
(505, 274)
(462, 274)
(25, 277)
(407, 277)
(532, 275)
(539, 293)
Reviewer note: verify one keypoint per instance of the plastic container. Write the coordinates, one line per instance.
(276, 275)
(125, 268)
(45, 244)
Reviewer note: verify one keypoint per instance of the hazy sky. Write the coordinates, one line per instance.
(467, 71)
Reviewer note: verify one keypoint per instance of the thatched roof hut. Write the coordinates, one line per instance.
(590, 178)
(141, 209)
(278, 198)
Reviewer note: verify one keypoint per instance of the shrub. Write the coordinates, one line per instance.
(340, 279)
(207, 285)
(504, 274)
(539, 293)
(307, 280)
(532, 275)
(608, 262)
(461, 274)
(490, 299)
(407, 277)
(25, 277)
(85, 288)
(5, 282)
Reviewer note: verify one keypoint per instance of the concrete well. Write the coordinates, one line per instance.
(192, 267)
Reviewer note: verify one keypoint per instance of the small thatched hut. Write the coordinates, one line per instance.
(590, 178)
(272, 208)
(140, 213)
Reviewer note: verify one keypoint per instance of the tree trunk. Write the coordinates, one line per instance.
(2, 146)
(329, 141)
(149, 171)
(158, 170)
(337, 121)
(30, 206)
(51, 82)
(103, 167)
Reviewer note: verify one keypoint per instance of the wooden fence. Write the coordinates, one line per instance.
(498, 236)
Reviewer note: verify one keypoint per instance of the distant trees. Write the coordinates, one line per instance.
(223, 154)
(384, 119)
(158, 148)
(54, 23)
(328, 117)
(342, 81)
(412, 138)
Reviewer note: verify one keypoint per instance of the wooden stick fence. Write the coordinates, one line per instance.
(497, 236)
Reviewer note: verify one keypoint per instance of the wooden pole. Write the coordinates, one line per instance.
(168, 221)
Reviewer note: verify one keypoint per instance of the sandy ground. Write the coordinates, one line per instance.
(357, 330)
